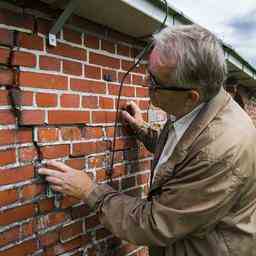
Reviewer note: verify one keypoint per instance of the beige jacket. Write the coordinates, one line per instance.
(203, 200)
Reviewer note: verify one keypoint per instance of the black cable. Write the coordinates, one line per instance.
(162, 24)
(140, 57)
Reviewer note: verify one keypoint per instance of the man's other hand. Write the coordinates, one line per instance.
(131, 115)
(67, 180)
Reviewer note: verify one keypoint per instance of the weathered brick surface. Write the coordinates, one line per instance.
(66, 98)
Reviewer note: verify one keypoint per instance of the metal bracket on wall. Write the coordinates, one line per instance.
(69, 9)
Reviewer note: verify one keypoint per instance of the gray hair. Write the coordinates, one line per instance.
(199, 54)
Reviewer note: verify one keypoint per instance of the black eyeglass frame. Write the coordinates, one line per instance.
(154, 85)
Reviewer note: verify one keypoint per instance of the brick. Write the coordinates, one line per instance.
(71, 230)
(126, 65)
(128, 91)
(55, 151)
(71, 133)
(124, 143)
(80, 211)
(106, 103)
(27, 229)
(85, 148)
(70, 101)
(93, 133)
(49, 63)
(68, 201)
(10, 176)
(32, 117)
(92, 222)
(90, 102)
(142, 92)
(92, 72)
(88, 86)
(4, 98)
(45, 25)
(72, 36)
(51, 219)
(72, 68)
(16, 214)
(7, 77)
(108, 73)
(46, 100)
(22, 249)
(108, 46)
(123, 50)
(68, 51)
(144, 104)
(10, 235)
(45, 81)
(7, 137)
(92, 42)
(76, 163)
(24, 135)
(142, 179)
(7, 157)
(30, 41)
(118, 171)
(46, 205)
(8, 197)
(110, 131)
(103, 60)
(128, 182)
(68, 117)
(49, 238)
(25, 59)
(27, 154)
(17, 19)
(4, 54)
(31, 191)
(6, 37)
(138, 80)
(48, 134)
(71, 245)
(103, 117)
(26, 98)
(127, 80)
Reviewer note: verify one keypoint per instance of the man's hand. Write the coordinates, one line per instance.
(131, 115)
(67, 180)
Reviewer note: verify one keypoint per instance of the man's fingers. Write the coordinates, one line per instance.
(54, 180)
(56, 188)
(127, 117)
(50, 172)
(135, 108)
(59, 165)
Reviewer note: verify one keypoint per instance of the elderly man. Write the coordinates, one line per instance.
(202, 198)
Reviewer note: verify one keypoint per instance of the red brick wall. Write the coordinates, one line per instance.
(55, 103)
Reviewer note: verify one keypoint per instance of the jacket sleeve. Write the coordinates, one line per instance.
(148, 136)
(183, 207)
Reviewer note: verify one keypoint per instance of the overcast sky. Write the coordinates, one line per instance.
(234, 21)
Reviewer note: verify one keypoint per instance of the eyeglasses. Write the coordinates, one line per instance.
(154, 85)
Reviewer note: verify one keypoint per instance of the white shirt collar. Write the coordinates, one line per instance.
(183, 123)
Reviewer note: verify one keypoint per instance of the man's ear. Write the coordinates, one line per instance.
(193, 97)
